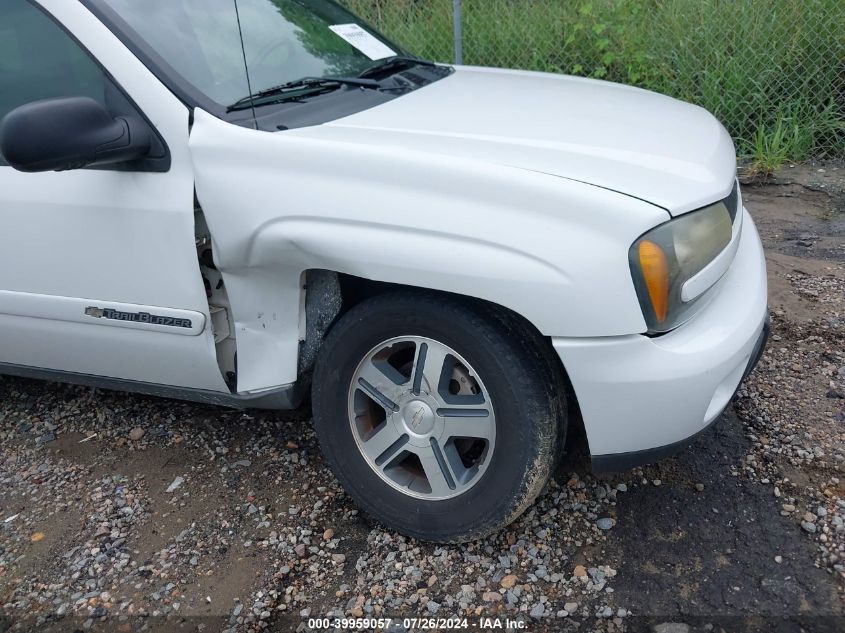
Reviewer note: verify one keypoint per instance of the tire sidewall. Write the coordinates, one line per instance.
(513, 464)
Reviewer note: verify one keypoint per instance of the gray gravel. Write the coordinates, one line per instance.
(218, 513)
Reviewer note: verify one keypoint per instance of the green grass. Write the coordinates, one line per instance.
(792, 135)
(773, 71)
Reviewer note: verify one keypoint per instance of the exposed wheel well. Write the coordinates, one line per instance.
(354, 290)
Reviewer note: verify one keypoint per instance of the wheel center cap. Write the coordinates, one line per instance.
(418, 417)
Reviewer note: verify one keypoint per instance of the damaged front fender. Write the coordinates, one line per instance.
(279, 204)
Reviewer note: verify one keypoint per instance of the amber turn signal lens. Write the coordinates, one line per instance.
(655, 270)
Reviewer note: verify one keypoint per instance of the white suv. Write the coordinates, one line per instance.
(236, 201)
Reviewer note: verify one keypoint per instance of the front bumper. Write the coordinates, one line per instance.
(643, 398)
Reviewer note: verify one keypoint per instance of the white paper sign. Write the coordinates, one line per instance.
(363, 41)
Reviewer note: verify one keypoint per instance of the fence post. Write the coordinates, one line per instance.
(459, 38)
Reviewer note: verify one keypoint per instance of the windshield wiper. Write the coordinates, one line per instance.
(301, 88)
(397, 61)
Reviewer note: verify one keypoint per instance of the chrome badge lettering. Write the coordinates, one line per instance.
(137, 317)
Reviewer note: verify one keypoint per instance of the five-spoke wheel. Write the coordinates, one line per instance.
(441, 417)
(422, 417)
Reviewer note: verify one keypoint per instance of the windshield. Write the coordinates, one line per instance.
(283, 41)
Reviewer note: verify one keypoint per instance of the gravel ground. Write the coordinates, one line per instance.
(123, 512)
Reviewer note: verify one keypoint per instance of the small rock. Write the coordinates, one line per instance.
(328, 535)
(509, 581)
(537, 610)
(175, 484)
(699, 487)
(136, 434)
(300, 550)
(491, 596)
(579, 572)
(570, 607)
(778, 559)
(605, 523)
(808, 527)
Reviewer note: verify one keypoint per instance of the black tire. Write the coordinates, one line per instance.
(516, 365)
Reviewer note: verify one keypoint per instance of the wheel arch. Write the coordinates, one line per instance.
(354, 290)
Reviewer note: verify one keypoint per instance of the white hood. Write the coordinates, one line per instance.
(649, 146)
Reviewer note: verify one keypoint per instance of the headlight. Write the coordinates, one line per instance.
(666, 257)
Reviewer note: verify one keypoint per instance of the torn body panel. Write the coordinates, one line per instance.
(280, 204)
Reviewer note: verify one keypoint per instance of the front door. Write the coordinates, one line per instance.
(98, 267)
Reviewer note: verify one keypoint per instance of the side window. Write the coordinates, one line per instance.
(38, 60)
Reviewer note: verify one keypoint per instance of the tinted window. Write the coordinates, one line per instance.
(38, 60)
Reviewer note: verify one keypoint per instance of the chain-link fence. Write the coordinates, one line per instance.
(773, 71)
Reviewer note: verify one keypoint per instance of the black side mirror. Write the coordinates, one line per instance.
(70, 133)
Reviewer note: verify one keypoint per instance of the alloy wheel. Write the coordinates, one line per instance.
(422, 418)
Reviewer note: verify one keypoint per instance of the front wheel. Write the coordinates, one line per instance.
(440, 417)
